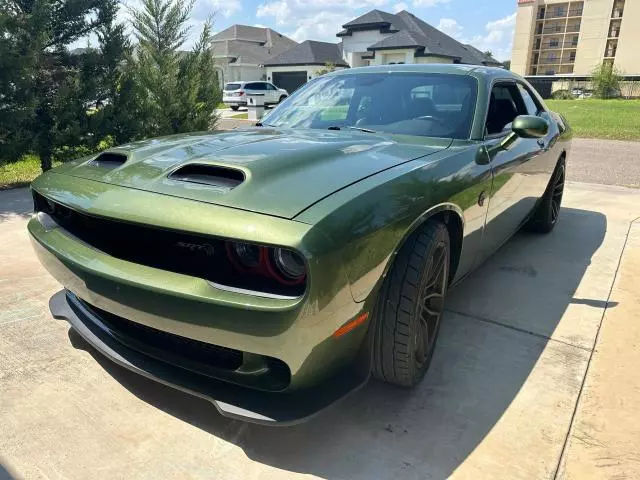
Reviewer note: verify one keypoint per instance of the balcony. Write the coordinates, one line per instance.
(577, 12)
(552, 29)
(556, 14)
(614, 33)
(573, 28)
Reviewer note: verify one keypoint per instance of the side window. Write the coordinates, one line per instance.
(254, 86)
(270, 86)
(532, 107)
(505, 105)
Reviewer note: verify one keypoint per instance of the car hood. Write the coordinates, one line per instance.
(282, 171)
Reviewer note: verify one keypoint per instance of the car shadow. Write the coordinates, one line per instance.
(478, 369)
(16, 202)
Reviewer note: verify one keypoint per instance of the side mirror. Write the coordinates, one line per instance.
(529, 126)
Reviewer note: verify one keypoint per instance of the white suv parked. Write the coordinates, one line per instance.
(235, 93)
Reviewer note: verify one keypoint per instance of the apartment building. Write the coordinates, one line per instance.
(570, 38)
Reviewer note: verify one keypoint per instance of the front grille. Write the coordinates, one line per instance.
(180, 252)
(193, 355)
(145, 245)
(200, 357)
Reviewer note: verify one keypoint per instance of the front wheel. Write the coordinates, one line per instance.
(282, 98)
(234, 108)
(546, 216)
(410, 306)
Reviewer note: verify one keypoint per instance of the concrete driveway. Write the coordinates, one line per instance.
(535, 376)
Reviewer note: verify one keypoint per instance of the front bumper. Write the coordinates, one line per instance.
(233, 401)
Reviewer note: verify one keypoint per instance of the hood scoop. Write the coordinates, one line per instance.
(212, 175)
(109, 160)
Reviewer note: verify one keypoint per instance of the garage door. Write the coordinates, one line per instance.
(290, 81)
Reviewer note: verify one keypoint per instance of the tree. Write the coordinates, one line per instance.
(109, 83)
(178, 91)
(606, 80)
(630, 89)
(41, 101)
(507, 64)
(328, 67)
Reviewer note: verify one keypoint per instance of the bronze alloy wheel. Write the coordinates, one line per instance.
(547, 213)
(432, 304)
(558, 190)
(410, 306)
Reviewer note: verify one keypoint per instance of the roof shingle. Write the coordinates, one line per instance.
(250, 45)
(309, 52)
(413, 32)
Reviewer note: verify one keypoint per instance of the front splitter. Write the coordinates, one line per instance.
(233, 401)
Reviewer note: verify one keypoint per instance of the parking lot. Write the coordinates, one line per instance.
(535, 376)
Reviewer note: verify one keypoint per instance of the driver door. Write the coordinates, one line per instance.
(520, 171)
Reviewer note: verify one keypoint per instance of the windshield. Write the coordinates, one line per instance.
(431, 105)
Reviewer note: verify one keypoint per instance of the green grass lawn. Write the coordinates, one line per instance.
(241, 116)
(20, 173)
(609, 119)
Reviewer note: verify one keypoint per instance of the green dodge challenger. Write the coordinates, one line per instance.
(273, 269)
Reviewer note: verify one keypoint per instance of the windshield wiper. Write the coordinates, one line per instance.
(260, 124)
(335, 127)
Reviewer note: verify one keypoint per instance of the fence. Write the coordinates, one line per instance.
(547, 85)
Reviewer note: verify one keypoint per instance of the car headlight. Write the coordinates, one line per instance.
(289, 263)
(247, 255)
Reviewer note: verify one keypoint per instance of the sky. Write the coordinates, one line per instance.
(487, 25)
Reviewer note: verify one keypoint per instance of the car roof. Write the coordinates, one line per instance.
(447, 68)
(244, 82)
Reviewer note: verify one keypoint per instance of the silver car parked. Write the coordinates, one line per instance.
(235, 94)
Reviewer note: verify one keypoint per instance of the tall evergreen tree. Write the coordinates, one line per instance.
(179, 90)
(40, 92)
(108, 80)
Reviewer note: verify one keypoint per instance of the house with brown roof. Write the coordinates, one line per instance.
(299, 64)
(240, 51)
(379, 38)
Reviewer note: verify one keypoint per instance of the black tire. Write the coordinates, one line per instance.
(406, 326)
(282, 98)
(234, 107)
(547, 212)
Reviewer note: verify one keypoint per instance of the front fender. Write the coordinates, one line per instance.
(370, 220)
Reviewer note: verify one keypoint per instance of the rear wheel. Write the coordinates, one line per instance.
(410, 306)
(282, 98)
(547, 213)
(234, 107)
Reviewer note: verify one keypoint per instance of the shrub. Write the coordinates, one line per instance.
(562, 95)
